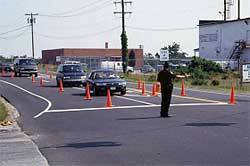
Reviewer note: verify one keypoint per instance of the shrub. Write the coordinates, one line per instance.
(199, 82)
(215, 82)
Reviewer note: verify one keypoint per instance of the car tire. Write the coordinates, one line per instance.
(36, 75)
(15, 74)
(123, 92)
(95, 92)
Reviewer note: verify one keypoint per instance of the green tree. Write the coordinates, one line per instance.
(124, 42)
(131, 58)
(175, 51)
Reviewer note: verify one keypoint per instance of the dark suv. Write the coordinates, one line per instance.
(25, 66)
(70, 74)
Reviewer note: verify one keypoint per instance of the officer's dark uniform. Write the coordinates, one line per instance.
(166, 79)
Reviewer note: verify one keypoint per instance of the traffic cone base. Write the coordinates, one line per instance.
(87, 91)
(109, 102)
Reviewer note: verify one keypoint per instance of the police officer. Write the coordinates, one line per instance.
(165, 77)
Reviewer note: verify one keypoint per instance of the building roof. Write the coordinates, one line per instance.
(213, 22)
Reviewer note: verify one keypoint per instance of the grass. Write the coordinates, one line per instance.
(3, 112)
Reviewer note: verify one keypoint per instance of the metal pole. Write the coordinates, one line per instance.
(238, 9)
(32, 36)
(225, 10)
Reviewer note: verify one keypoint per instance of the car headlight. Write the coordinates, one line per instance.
(122, 83)
(22, 68)
(101, 84)
(35, 68)
(66, 77)
(83, 77)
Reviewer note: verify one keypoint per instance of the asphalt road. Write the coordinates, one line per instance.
(71, 131)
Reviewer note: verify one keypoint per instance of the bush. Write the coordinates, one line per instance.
(151, 78)
(215, 82)
(199, 82)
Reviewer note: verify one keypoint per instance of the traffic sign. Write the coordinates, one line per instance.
(164, 55)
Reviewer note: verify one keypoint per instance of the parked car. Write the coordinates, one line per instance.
(5, 67)
(147, 69)
(103, 79)
(25, 66)
(70, 74)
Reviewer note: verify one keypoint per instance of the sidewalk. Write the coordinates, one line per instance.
(16, 148)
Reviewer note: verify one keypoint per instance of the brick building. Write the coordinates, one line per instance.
(92, 57)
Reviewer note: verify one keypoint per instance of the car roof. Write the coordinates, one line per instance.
(67, 64)
(103, 70)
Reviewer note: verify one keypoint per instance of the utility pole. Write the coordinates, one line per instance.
(225, 10)
(123, 35)
(31, 20)
(238, 9)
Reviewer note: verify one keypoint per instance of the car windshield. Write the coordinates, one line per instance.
(27, 62)
(106, 75)
(72, 69)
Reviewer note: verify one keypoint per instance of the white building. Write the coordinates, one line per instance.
(225, 41)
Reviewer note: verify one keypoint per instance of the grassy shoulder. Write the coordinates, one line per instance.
(3, 112)
(224, 85)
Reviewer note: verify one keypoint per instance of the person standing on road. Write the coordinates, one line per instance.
(165, 77)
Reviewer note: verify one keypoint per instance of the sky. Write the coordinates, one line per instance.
(91, 23)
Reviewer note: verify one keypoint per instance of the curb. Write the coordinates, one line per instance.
(17, 147)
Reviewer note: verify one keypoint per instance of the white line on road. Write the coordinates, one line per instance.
(135, 106)
(33, 94)
(138, 101)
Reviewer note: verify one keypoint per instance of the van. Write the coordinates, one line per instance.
(115, 65)
(25, 66)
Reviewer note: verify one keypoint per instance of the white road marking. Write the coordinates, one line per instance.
(33, 94)
(135, 106)
(138, 101)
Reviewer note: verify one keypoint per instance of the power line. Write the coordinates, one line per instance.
(161, 30)
(14, 30)
(75, 10)
(15, 36)
(78, 36)
(97, 8)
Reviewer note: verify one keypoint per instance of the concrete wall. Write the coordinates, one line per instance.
(217, 40)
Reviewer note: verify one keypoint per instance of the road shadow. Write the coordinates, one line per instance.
(210, 124)
(88, 145)
(140, 118)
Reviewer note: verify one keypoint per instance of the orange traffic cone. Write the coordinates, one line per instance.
(139, 84)
(143, 89)
(109, 102)
(41, 81)
(182, 89)
(232, 100)
(12, 74)
(154, 90)
(2, 72)
(33, 78)
(50, 76)
(87, 91)
(61, 86)
(158, 87)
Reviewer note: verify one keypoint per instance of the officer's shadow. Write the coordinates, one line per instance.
(140, 118)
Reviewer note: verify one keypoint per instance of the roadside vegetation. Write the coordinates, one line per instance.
(3, 112)
(204, 74)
